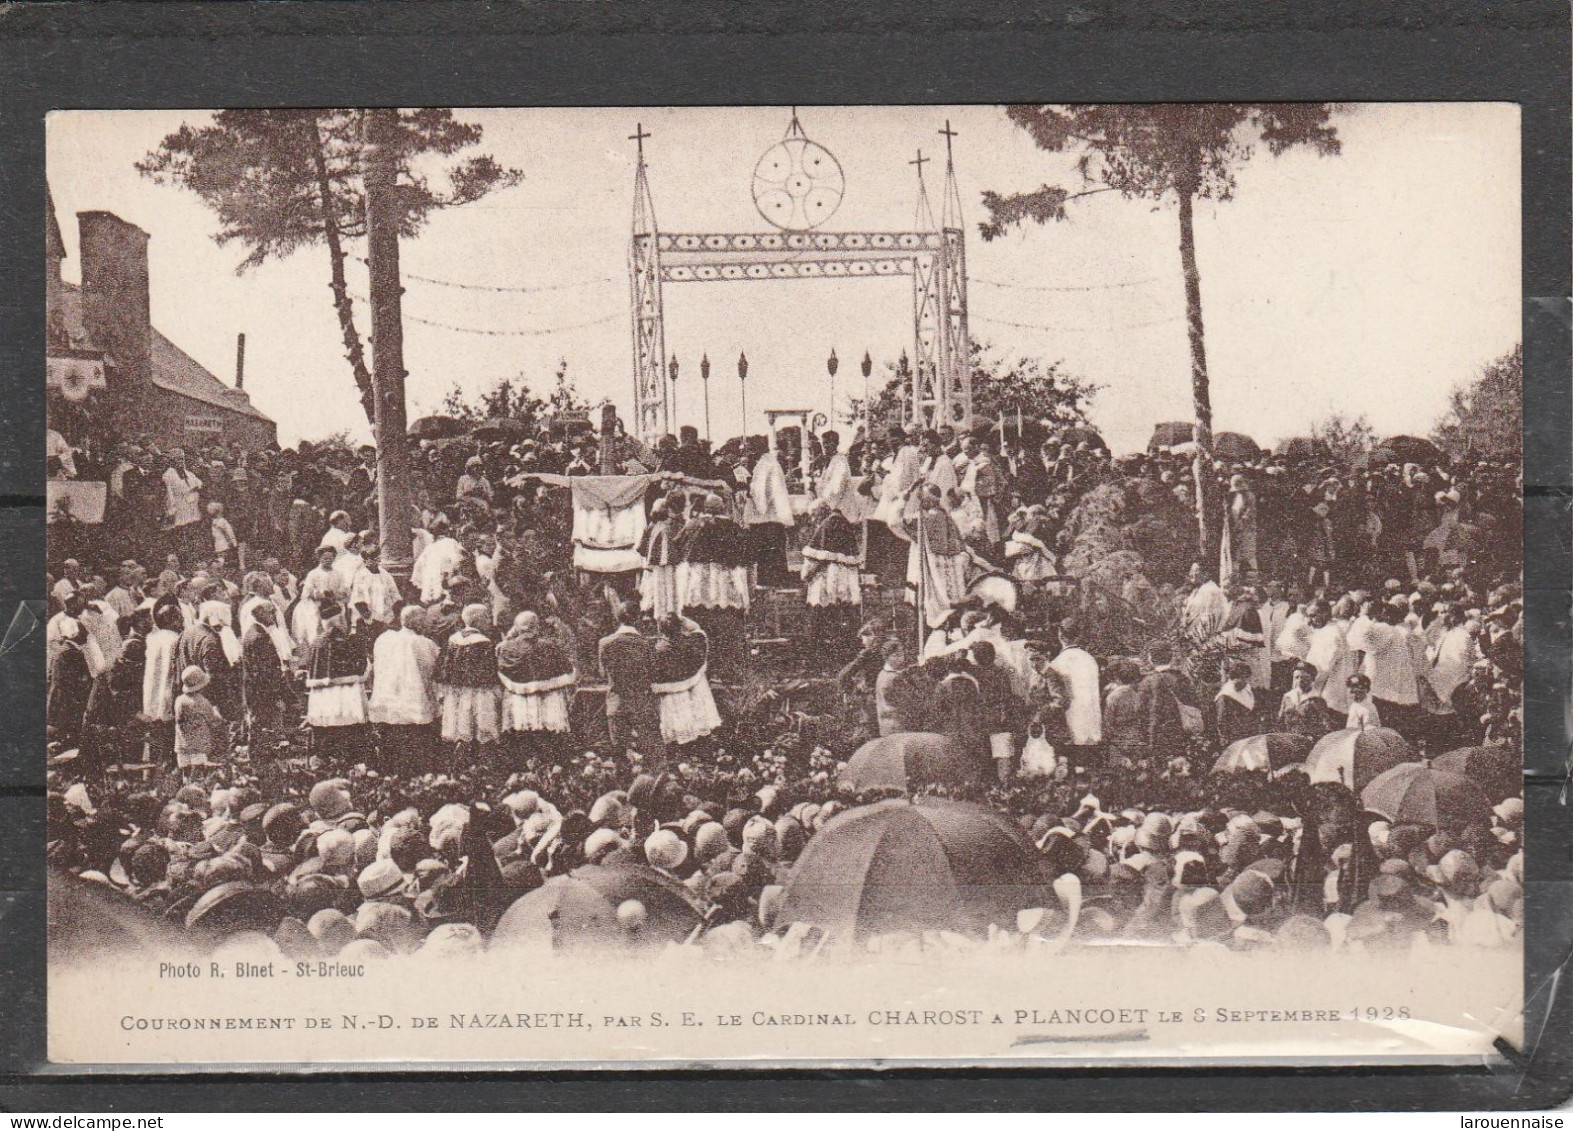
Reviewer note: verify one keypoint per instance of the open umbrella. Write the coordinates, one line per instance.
(906, 761)
(1413, 793)
(1262, 752)
(1078, 434)
(1409, 449)
(1353, 757)
(1236, 447)
(915, 865)
(1497, 770)
(1301, 447)
(1170, 433)
(437, 428)
(98, 923)
(500, 428)
(580, 909)
(235, 906)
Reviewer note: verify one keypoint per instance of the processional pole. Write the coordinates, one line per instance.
(704, 377)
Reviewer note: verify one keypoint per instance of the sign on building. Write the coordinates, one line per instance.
(204, 424)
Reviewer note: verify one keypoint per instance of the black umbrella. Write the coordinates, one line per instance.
(580, 910)
(1497, 770)
(1301, 447)
(235, 906)
(915, 865)
(1352, 758)
(1078, 434)
(500, 428)
(1170, 433)
(1236, 447)
(903, 761)
(436, 428)
(1401, 450)
(1260, 752)
(1413, 793)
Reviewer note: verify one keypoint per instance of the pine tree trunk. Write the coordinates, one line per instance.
(353, 349)
(1201, 393)
(394, 498)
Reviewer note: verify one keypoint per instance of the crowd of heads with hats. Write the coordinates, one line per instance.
(367, 861)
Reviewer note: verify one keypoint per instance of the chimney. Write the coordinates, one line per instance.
(115, 299)
(240, 362)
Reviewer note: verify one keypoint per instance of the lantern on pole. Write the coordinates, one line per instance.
(671, 371)
(832, 363)
(704, 378)
(742, 384)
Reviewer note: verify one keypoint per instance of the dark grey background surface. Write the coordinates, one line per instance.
(113, 54)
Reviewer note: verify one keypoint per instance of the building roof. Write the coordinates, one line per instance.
(173, 368)
(176, 370)
(54, 245)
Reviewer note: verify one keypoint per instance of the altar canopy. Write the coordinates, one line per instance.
(609, 516)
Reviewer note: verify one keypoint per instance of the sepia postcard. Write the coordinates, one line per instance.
(818, 585)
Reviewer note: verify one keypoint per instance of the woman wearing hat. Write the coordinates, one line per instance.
(1235, 705)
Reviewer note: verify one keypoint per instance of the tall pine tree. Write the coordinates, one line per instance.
(282, 180)
(1154, 152)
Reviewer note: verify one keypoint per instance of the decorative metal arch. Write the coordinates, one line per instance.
(933, 254)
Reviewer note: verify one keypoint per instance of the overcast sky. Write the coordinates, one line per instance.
(1369, 282)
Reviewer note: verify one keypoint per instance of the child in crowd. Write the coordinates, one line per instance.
(200, 730)
(1362, 708)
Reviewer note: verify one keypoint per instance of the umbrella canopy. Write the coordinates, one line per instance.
(915, 865)
(235, 906)
(1079, 434)
(1408, 449)
(580, 909)
(1236, 447)
(96, 922)
(1497, 770)
(1353, 757)
(1263, 752)
(907, 761)
(500, 428)
(1170, 433)
(1416, 794)
(437, 428)
(1301, 447)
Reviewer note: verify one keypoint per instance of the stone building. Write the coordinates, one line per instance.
(111, 373)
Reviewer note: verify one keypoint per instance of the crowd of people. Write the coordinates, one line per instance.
(242, 697)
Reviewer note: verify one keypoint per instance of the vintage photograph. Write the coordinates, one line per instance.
(1053, 595)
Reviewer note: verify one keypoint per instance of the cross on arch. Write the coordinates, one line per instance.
(949, 136)
(638, 136)
(920, 161)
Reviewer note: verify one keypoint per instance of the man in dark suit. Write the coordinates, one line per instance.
(201, 645)
(627, 660)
